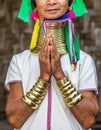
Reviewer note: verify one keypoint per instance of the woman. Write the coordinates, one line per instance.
(53, 85)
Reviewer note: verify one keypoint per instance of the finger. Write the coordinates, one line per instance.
(52, 43)
(49, 35)
(48, 52)
(46, 42)
(43, 46)
(52, 52)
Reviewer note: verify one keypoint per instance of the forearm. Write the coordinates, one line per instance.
(18, 112)
(20, 106)
(86, 111)
(84, 106)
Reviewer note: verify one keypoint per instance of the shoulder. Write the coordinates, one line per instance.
(84, 57)
(21, 56)
(86, 61)
(24, 58)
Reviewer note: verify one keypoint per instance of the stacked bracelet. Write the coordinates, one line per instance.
(70, 94)
(34, 97)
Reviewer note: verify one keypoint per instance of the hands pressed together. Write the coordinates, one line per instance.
(49, 59)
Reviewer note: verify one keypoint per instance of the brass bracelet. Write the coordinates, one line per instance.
(64, 81)
(74, 101)
(34, 97)
(42, 84)
(70, 94)
(36, 94)
(30, 103)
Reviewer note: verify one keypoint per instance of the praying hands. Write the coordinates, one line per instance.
(49, 59)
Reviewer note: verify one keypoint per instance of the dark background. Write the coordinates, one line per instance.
(15, 37)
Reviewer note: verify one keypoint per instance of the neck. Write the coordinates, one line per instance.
(57, 31)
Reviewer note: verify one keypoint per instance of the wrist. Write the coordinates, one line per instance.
(45, 77)
(59, 76)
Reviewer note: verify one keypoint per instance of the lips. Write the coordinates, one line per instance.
(52, 10)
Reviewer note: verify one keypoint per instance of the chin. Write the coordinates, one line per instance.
(53, 17)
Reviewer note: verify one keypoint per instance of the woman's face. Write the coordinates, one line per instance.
(51, 9)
